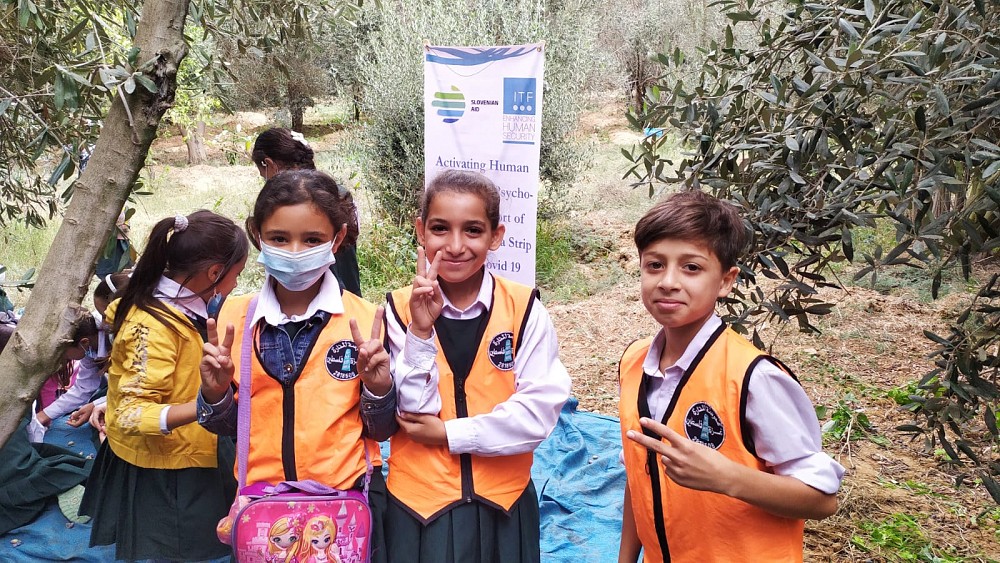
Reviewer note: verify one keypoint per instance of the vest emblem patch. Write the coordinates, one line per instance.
(342, 360)
(703, 425)
(502, 351)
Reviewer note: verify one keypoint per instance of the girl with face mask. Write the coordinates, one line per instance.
(279, 149)
(321, 389)
(83, 362)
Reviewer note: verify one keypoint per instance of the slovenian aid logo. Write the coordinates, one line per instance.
(450, 105)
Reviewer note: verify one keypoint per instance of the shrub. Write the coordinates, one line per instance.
(393, 75)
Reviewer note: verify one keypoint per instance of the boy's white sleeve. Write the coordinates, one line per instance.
(88, 379)
(785, 429)
(413, 365)
(522, 422)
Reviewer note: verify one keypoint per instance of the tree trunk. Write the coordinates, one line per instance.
(45, 330)
(639, 86)
(194, 138)
(356, 98)
(297, 112)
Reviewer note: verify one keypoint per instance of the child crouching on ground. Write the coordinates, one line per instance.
(722, 447)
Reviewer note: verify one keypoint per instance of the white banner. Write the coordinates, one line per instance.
(483, 112)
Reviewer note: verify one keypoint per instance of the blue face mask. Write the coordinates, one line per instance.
(296, 271)
(214, 305)
(89, 354)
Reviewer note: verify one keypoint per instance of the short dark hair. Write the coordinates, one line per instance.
(293, 187)
(278, 144)
(694, 215)
(103, 289)
(465, 182)
(85, 327)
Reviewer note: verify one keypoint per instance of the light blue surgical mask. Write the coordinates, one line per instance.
(296, 271)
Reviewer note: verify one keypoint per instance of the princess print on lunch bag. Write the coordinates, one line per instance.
(285, 539)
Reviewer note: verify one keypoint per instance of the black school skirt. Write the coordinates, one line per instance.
(159, 513)
(468, 533)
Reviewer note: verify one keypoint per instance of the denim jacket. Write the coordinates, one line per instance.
(277, 350)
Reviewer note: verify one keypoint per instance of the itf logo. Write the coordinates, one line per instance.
(519, 96)
(451, 105)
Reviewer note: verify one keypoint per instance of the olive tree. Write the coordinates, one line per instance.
(61, 71)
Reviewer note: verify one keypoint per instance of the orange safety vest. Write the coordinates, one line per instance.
(675, 523)
(430, 480)
(310, 429)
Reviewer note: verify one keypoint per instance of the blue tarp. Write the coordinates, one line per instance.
(51, 537)
(577, 474)
(580, 483)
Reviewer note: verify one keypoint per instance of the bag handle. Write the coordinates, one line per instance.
(243, 403)
(243, 407)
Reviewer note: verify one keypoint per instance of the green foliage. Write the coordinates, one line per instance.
(60, 62)
(393, 76)
(235, 145)
(554, 255)
(195, 100)
(915, 487)
(278, 53)
(900, 538)
(848, 421)
(841, 113)
(902, 395)
(571, 261)
(386, 257)
(345, 66)
(961, 390)
(633, 32)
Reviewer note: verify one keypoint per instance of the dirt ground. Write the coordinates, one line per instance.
(897, 502)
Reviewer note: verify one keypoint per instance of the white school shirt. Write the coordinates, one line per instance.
(328, 299)
(88, 377)
(786, 432)
(517, 425)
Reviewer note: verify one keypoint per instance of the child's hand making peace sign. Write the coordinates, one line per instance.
(426, 299)
(373, 360)
(217, 368)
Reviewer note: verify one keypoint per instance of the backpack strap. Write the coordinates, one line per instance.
(243, 404)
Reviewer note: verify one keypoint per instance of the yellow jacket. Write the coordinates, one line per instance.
(152, 366)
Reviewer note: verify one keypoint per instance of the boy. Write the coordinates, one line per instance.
(735, 463)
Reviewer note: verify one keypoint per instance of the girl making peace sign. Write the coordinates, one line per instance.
(476, 362)
(322, 394)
